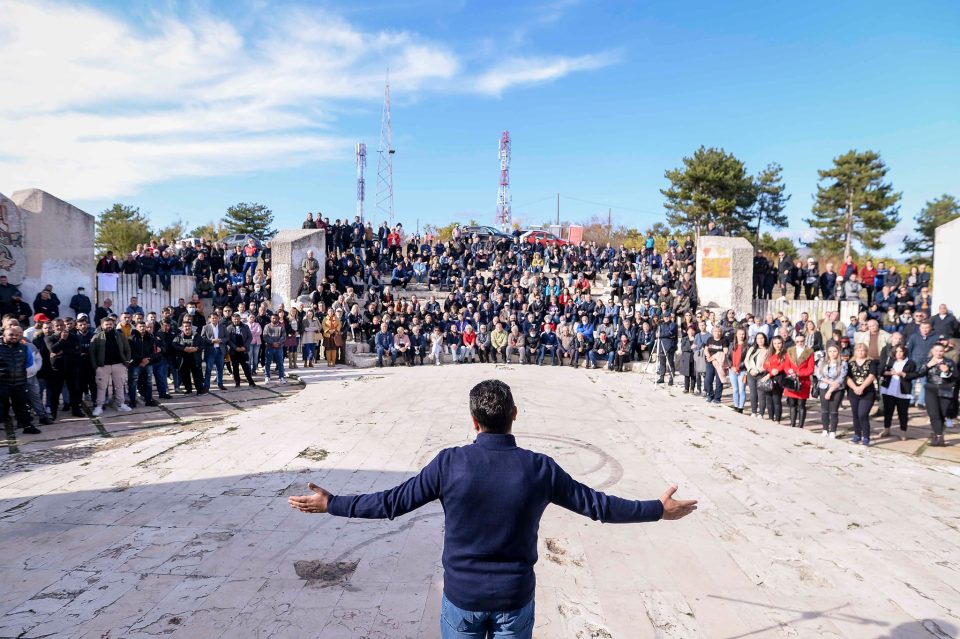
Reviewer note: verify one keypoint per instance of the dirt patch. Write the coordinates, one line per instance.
(314, 454)
(554, 546)
(325, 574)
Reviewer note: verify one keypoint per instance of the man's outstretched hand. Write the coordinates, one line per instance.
(674, 508)
(317, 503)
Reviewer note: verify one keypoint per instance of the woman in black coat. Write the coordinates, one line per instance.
(687, 366)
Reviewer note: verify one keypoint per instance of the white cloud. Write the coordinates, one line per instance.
(95, 107)
(526, 71)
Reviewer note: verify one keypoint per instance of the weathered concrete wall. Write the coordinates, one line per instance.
(13, 260)
(289, 249)
(57, 246)
(725, 273)
(946, 264)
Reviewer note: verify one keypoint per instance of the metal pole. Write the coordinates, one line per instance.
(558, 209)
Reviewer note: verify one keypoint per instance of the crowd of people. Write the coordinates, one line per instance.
(483, 301)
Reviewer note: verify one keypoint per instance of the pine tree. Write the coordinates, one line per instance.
(771, 199)
(853, 204)
(120, 228)
(935, 213)
(712, 186)
(249, 219)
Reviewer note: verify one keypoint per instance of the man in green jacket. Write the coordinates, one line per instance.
(110, 356)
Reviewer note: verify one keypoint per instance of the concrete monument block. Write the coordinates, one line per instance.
(56, 245)
(289, 249)
(725, 273)
(946, 262)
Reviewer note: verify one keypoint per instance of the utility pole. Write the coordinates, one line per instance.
(558, 209)
(609, 224)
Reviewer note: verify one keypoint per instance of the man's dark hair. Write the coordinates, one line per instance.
(491, 404)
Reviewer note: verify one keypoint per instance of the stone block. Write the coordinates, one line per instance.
(56, 245)
(946, 262)
(725, 273)
(289, 249)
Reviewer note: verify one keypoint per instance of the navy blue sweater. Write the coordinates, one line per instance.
(493, 495)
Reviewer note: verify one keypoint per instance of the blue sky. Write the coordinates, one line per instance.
(183, 109)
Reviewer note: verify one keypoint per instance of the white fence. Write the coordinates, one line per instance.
(816, 309)
(126, 287)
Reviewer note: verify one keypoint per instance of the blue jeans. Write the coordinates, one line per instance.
(456, 623)
(712, 384)
(309, 352)
(738, 383)
(920, 391)
(274, 355)
(160, 376)
(134, 374)
(214, 358)
(544, 349)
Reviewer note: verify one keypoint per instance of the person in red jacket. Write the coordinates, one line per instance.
(800, 364)
(775, 364)
(469, 344)
(868, 279)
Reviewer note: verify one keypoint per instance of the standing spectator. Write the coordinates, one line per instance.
(832, 380)
(944, 323)
(142, 345)
(239, 339)
(332, 337)
(774, 365)
(755, 356)
(811, 279)
(80, 303)
(189, 347)
(828, 283)
(666, 345)
(800, 364)
(64, 348)
(861, 380)
(687, 367)
(716, 350)
(47, 303)
(214, 336)
(919, 345)
(15, 359)
(738, 368)
(110, 356)
(868, 279)
(939, 375)
(895, 388)
(162, 361)
(311, 336)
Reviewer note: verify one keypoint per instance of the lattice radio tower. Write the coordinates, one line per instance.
(361, 182)
(385, 159)
(504, 211)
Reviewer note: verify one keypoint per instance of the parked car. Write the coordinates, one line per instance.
(239, 240)
(543, 238)
(485, 233)
(193, 241)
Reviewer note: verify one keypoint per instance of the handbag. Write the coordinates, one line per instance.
(765, 385)
(791, 383)
(815, 387)
(291, 341)
(338, 339)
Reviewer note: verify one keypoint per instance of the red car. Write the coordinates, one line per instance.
(543, 238)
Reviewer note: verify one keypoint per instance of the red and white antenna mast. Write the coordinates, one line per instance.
(504, 211)
(385, 159)
(361, 181)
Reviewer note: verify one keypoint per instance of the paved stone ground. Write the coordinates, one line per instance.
(183, 530)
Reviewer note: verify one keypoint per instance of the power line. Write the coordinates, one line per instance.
(611, 206)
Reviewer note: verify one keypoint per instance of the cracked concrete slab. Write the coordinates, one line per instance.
(183, 530)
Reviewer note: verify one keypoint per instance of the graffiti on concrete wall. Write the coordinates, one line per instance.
(12, 259)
